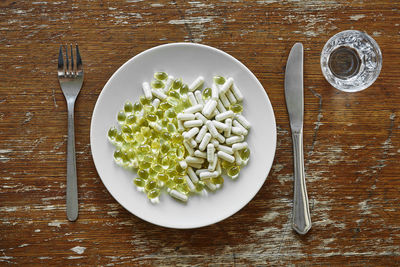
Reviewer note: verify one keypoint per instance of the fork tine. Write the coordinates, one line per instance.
(66, 57)
(60, 62)
(72, 62)
(78, 60)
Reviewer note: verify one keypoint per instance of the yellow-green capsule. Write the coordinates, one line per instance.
(139, 182)
(121, 117)
(199, 186)
(163, 177)
(184, 89)
(245, 153)
(131, 153)
(170, 184)
(149, 109)
(226, 165)
(170, 113)
(165, 105)
(112, 133)
(136, 128)
(180, 152)
(165, 136)
(233, 171)
(137, 107)
(171, 128)
(155, 144)
(186, 102)
(207, 93)
(142, 122)
(172, 101)
(160, 75)
(219, 80)
(165, 148)
(157, 84)
(144, 164)
(174, 94)
(177, 84)
(237, 108)
(183, 188)
(143, 174)
(126, 129)
(150, 184)
(159, 114)
(144, 101)
(146, 131)
(119, 138)
(148, 158)
(118, 155)
(158, 168)
(128, 107)
(179, 180)
(131, 119)
(139, 137)
(152, 173)
(218, 180)
(177, 138)
(153, 193)
(151, 117)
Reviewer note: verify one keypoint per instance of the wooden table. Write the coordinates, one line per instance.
(351, 140)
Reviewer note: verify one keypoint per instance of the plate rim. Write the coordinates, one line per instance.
(110, 80)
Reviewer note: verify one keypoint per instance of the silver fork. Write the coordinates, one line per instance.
(70, 77)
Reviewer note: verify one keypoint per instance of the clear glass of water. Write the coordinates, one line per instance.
(351, 61)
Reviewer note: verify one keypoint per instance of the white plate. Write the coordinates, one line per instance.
(184, 60)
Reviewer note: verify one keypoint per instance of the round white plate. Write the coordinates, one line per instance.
(185, 60)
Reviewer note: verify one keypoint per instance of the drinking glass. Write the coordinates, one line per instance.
(351, 61)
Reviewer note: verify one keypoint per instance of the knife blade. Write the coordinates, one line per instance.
(294, 95)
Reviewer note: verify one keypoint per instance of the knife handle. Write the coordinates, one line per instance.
(301, 213)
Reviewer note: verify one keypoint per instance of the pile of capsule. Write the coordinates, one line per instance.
(157, 134)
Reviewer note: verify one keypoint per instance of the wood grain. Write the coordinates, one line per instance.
(351, 141)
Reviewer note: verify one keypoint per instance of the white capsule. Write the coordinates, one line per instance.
(190, 184)
(225, 87)
(210, 185)
(225, 149)
(228, 123)
(195, 165)
(226, 156)
(224, 115)
(237, 93)
(234, 139)
(212, 129)
(191, 133)
(231, 97)
(201, 170)
(159, 94)
(208, 175)
(200, 116)
(147, 90)
(238, 130)
(209, 108)
(219, 125)
(220, 138)
(225, 101)
(196, 83)
(178, 195)
(192, 175)
(214, 142)
(192, 123)
(183, 164)
(215, 113)
(238, 159)
(210, 152)
(186, 116)
(201, 134)
(180, 126)
(168, 83)
(190, 159)
(192, 143)
(220, 106)
(213, 164)
(199, 97)
(192, 99)
(242, 120)
(156, 102)
(155, 126)
(189, 149)
(194, 109)
(218, 168)
(239, 146)
(205, 141)
(200, 154)
(214, 91)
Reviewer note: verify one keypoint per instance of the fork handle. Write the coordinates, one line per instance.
(301, 213)
(72, 187)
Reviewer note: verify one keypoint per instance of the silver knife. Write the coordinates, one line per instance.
(295, 105)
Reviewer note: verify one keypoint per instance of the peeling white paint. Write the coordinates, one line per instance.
(78, 249)
(357, 17)
(56, 223)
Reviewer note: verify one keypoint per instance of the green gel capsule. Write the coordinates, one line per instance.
(170, 184)
(131, 119)
(137, 107)
(171, 128)
(233, 171)
(158, 168)
(245, 153)
(163, 177)
(157, 84)
(177, 84)
(172, 101)
(219, 80)
(153, 193)
(183, 188)
(160, 75)
(165, 136)
(199, 186)
(139, 182)
(144, 164)
(139, 137)
(237, 108)
(144, 101)
(150, 185)
(165, 105)
(143, 174)
(165, 148)
(128, 107)
(136, 128)
(121, 117)
(146, 132)
(119, 138)
(218, 180)
(118, 155)
(152, 173)
(174, 94)
(112, 133)
(155, 144)
(159, 114)
(170, 113)
(126, 129)
(179, 180)
(184, 89)
(207, 93)
(151, 117)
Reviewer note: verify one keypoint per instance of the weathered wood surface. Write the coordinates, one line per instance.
(351, 141)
